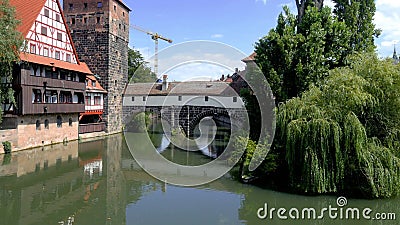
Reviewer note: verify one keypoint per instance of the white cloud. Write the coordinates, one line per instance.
(386, 18)
(217, 36)
(329, 3)
(264, 1)
(203, 58)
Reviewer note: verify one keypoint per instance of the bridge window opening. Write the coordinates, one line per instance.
(133, 98)
(235, 99)
(85, 5)
(206, 98)
(70, 122)
(179, 98)
(144, 98)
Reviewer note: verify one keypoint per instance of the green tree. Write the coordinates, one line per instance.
(291, 60)
(10, 43)
(358, 16)
(339, 136)
(139, 72)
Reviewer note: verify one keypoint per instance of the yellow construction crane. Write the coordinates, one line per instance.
(155, 37)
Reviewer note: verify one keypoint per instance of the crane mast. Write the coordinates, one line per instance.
(155, 37)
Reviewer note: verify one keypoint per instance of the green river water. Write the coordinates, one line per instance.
(99, 182)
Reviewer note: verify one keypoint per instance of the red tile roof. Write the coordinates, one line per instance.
(82, 67)
(250, 58)
(27, 12)
(89, 86)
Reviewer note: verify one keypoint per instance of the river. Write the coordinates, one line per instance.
(99, 182)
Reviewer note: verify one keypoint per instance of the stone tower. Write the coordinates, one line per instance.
(100, 31)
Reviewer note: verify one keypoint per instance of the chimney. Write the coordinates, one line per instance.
(164, 86)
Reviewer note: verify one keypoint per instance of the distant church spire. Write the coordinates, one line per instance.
(395, 57)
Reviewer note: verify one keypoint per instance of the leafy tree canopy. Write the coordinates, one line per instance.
(10, 43)
(139, 72)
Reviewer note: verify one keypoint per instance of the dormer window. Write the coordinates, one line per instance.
(93, 83)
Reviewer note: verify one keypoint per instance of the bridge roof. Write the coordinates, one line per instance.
(202, 88)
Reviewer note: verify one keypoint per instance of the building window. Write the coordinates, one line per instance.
(144, 98)
(57, 55)
(97, 100)
(65, 97)
(85, 5)
(59, 121)
(86, 83)
(46, 124)
(58, 18)
(72, 20)
(235, 99)
(115, 8)
(98, 20)
(44, 30)
(48, 73)
(179, 98)
(93, 83)
(50, 97)
(33, 71)
(206, 98)
(33, 49)
(123, 14)
(133, 98)
(69, 76)
(46, 52)
(70, 122)
(99, 4)
(46, 13)
(115, 82)
(68, 58)
(71, 6)
(37, 124)
(59, 36)
(88, 100)
(36, 96)
(85, 20)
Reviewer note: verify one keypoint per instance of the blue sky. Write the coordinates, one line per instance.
(238, 23)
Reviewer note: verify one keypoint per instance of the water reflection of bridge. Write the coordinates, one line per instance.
(94, 181)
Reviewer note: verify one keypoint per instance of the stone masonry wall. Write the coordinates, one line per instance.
(26, 135)
(101, 36)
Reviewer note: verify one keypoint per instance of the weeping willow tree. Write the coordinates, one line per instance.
(344, 135)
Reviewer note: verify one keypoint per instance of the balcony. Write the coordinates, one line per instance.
(50, 82)
(41, 108)
(91, 127)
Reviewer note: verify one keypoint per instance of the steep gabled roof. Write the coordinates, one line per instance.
(89, 87)
(27, 12)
